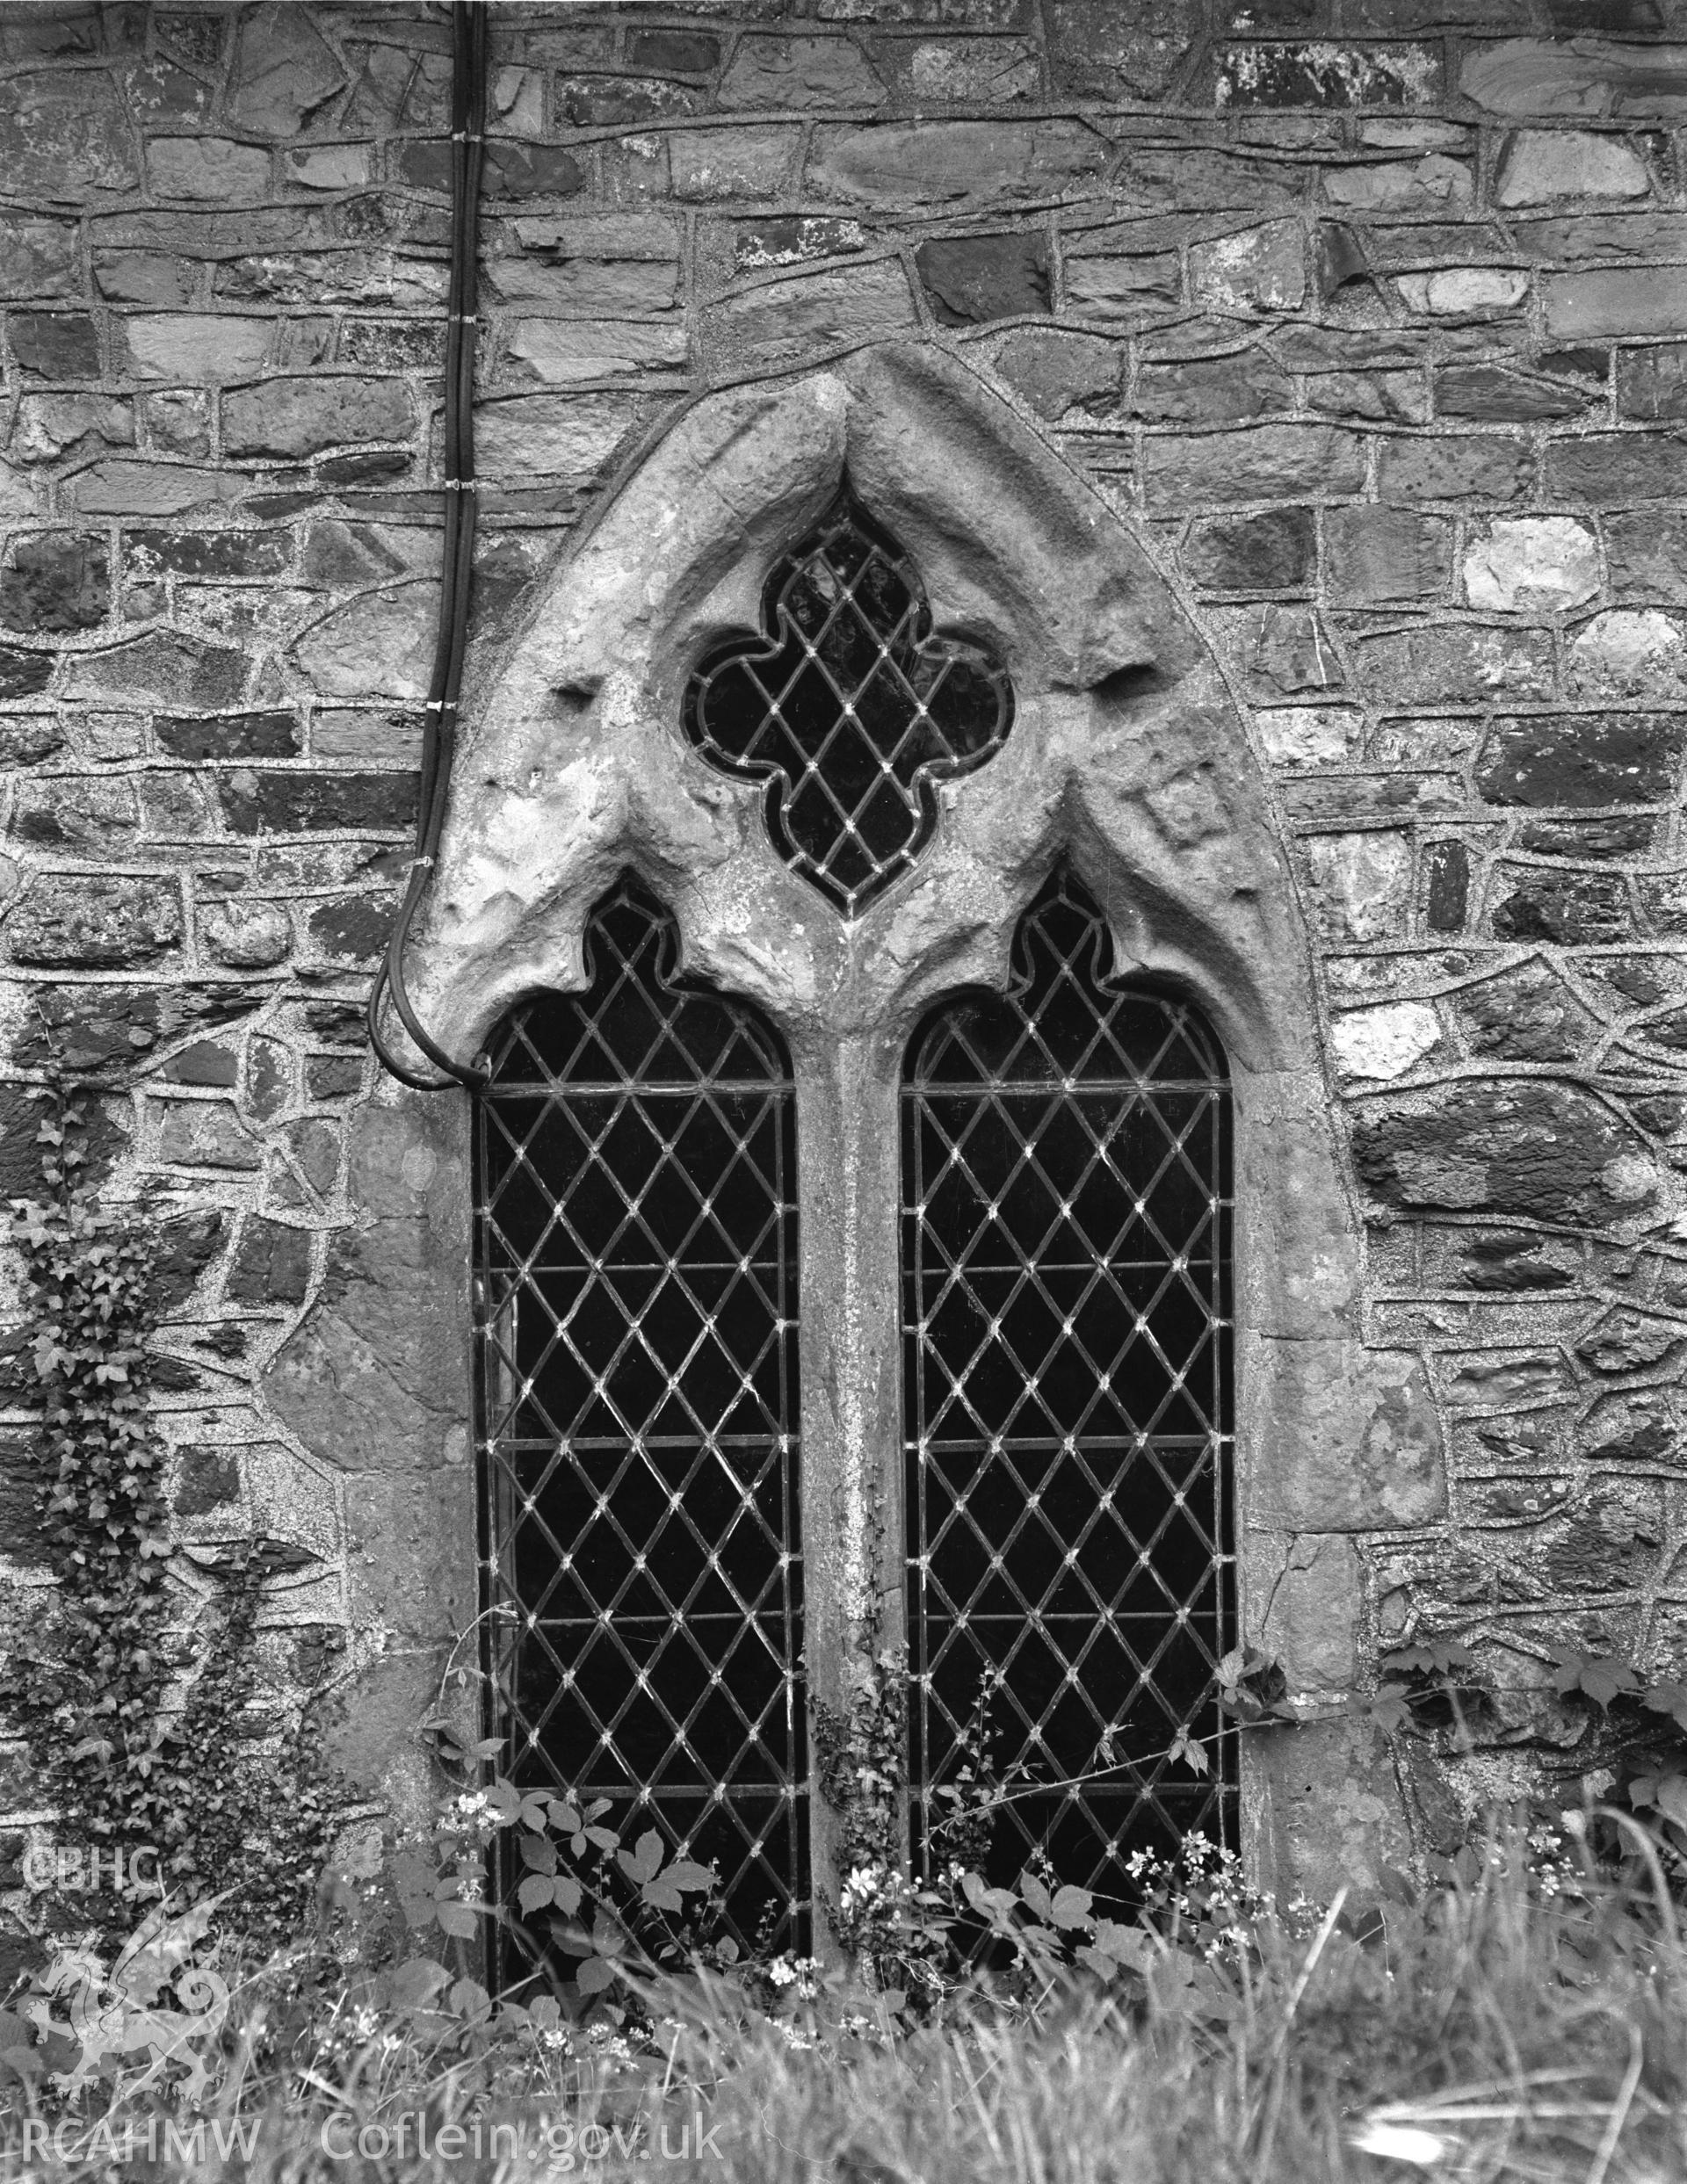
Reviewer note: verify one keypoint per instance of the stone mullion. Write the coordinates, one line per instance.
(849, 1199)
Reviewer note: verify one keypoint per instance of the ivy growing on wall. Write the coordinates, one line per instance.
(122, 1757)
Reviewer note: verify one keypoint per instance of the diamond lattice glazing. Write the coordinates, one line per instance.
(848, 708)
(637, 1339)
(1066, 1359)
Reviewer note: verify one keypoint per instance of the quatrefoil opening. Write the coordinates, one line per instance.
(848, 708)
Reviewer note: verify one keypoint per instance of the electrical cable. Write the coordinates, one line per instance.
(440, 717)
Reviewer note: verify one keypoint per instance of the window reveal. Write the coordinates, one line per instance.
(848, 707)
(636, 1249)
(1067, 1393)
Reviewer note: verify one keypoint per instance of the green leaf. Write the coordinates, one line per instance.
(534, 1892)
(1037, 1896)
(1071, 1906)
(686, 1873)
(457, 1919)
(538, 1853)
(595, 1975)
(641, 1863)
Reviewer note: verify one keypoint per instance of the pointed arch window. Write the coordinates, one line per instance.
(1067, 1390)
(636, 1264)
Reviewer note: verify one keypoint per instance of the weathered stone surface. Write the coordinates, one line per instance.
(673, 52)
(1646, 552)
(245, 936)
(1288, 649)
(1623, 1340)
(295, 803)
(1098, 50)
(284, 70)
(377, 1377)
(511, 168)
(270, 1265)
(562, 352)
(1375, 556)
(205, 1133)
(1362, 883)
(1384, 1043)
(212, 1062)
(23, 674)
(1601, 469)
(301, 416)
(63, 918)
(56, 582)
(1261, 269)
(959, 71)
(212, 169)
(1617, 301)
(709, 164)
(376, 645)
(1448, 893)
(1435, 182)
(1532, 564)
(333, 1076)
(1320, 74)
(1503, 393)
(55, 344)
(1582, 760)
(1290, 462)
(550, 435)
(799, 72)
(196, 345)
(1454, 664)
(1527, 1147)
(972, 280)
(1652, 383)
(1539, 164)
(63, 131)
(1219, 390)
(1058, 373)
(1332, 1808)
(1590, 77)
(162, 669)
(147, 490)
(38, 257)
(229, 736)
(88, 818)
(1309, 736)
(48, 425)
(940, 160)
(1458, 468)
(1311, 1626)
(208, 1479)
(591, 101)
(1364, 1454)
(1272, 551)
(1121, 290)
(1575, 910)
(352, 930)
(1628, 653)
(1528, 1013)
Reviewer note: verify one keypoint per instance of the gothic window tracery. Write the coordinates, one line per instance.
(848, 707)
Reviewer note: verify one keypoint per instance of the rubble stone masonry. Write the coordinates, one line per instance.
(1369, 316)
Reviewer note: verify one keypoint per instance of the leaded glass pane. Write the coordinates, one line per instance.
(1067, 1324)
(636, 1219)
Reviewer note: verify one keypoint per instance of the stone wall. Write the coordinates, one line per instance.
(1375, 328)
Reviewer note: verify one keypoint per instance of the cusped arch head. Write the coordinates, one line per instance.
(1125, 752)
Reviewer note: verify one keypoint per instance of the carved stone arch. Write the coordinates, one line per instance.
(1127, 754)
